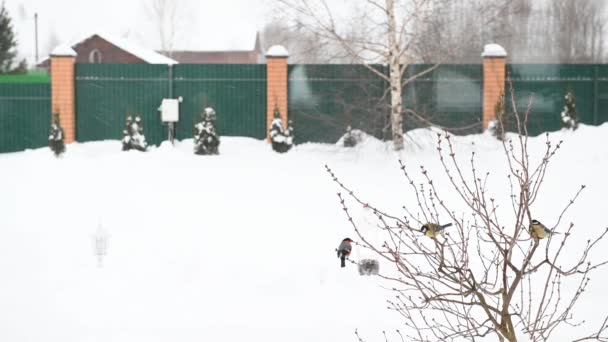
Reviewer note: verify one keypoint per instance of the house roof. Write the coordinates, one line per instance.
(147, 55)
(242, 50)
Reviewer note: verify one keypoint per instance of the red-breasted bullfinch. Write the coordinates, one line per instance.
(344, 250)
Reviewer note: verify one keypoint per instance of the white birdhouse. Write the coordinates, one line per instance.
(169, 110)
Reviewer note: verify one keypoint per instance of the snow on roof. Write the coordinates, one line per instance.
(234, 40)
(493, 50)
(277, 51)
(147, 55)
(63, 50)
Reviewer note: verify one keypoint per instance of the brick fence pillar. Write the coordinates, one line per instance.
(276, 84)
(494, 70)
(63, 98)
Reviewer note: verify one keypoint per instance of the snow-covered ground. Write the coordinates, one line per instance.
(235, 247)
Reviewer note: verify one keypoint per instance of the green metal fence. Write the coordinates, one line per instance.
(449, 96)
(237, 92)
(545, 85)
(324, 99)
(25, 113)
(107, 93)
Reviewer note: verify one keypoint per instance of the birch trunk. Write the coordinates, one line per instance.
(395, 78)
(396, 107)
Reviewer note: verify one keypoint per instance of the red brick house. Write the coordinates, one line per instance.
(103, 48)
(107, 49)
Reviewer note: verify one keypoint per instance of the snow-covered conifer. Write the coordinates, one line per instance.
(56, 136)
(206, 139)
(352, 137)
(133, 135)
(570, 115)
(281, 138)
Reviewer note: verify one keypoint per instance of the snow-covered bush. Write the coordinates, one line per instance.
(351, 138)
(56, 137)
(281, 138)
(206, 139)
(133, 135)
(570, 115)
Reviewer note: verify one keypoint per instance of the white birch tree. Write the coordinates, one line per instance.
(385, 35)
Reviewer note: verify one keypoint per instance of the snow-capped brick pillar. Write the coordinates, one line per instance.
(276, 84)
(494, 70)
(63, 59)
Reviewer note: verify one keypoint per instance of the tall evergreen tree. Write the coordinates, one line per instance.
(8, 43)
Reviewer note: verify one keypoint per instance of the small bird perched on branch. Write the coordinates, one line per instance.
(539, 231)
(344, 250)
(432, 229)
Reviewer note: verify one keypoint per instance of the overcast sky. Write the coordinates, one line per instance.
(207, 24)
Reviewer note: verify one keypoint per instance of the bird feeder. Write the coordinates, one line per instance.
(369, 267)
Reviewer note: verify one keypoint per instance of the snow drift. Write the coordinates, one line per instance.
(239, 246)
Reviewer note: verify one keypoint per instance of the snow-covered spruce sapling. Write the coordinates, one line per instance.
(290, 132)
(206, 139)
(56, 136)
(126, 137)
(281, 138)
(497, 126)
(570, 116)
(352, 137)
(133, 135)
(349, 139)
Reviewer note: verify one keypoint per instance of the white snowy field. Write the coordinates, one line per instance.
(240, 246)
